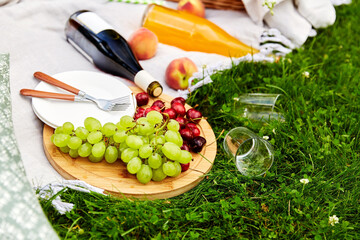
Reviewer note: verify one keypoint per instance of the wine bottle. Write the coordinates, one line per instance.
(192, 33)
(107, 49)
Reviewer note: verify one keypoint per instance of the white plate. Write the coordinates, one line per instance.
(55, 112)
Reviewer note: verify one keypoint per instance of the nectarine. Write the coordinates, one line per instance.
(178, 73)
(195, 7)
(143, 43)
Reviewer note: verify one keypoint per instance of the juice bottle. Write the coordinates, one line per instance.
(192, 33)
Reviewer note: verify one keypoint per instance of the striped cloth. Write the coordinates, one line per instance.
(21, 216)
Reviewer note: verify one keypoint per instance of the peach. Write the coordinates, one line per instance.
(143, 43)
(195, 7)
(178, 73)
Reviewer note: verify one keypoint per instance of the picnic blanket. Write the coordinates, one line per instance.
(32, 32)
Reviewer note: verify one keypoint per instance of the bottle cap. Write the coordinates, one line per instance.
(148, 83)
(155, 89)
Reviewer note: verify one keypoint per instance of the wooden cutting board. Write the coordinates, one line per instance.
(115, 179)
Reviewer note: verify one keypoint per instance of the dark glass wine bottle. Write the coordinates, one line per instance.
(108, 50)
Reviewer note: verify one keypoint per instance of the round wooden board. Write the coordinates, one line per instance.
(115, 179)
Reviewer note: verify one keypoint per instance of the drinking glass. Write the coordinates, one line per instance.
(257, 106)
(252, 155)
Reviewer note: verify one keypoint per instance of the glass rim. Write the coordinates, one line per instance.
(250, 133)
(243, 98)
(256, 139)
(146, 13)
(269, 148)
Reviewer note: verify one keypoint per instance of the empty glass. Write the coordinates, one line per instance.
(257, 106)
(252, 155)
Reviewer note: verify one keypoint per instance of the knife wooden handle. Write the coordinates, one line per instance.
(43, 94)
(50, 80)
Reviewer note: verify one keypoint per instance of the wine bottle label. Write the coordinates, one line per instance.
(93, 22)
(143, 79)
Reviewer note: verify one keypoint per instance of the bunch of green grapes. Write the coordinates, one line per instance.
(149, 146)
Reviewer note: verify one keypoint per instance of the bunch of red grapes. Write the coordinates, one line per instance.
(187, 119)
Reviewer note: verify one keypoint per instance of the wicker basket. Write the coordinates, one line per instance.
(236, 5)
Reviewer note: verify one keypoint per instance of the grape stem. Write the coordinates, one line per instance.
(195, 119)
(161, 128)
(106, 140)
(128, 130)
(156, 149)
(164, 124)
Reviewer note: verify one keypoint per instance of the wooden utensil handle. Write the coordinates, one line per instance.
(42, 94)
(50, 80)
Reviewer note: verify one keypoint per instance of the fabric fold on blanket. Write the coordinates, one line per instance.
(52, 190)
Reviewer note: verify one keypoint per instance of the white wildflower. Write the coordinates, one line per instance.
(274, 131)
(306, 74)
(266, 137)
(304, 181)
(333, 220)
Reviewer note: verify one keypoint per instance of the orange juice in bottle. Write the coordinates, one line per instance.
(192, 33)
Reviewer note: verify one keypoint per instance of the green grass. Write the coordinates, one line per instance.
(319, 140)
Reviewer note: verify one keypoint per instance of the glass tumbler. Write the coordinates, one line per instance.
(252, 155)
(257, 106)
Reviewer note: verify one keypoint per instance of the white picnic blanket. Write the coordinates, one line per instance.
(32, 31)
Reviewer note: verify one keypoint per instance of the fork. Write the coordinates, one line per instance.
(43, 94)
(117, 104)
